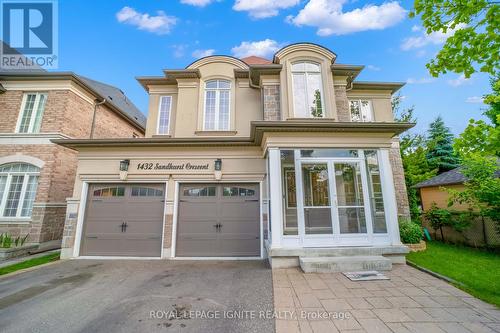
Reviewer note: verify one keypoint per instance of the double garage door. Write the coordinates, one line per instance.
(214, 220)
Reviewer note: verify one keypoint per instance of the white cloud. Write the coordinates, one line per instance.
(416, 28)
(160, 24)
(436, 38)
(263, 8)
(202, 53)
(459, 81)
(328, 17)
(373, 68)
(179, 50)
(474, 99)
(424, 80)
(264, 48)
(197, 3)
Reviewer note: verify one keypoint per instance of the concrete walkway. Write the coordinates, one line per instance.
(411, 301)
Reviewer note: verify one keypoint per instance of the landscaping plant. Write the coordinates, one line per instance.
(410, 232)
(6, 241)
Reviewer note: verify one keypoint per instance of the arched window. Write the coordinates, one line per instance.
(217, 105)
(18, 184)
(307, 90)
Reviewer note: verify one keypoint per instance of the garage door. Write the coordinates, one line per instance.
(218, 220)
(123, 220)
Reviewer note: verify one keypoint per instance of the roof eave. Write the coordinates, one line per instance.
(392, 86)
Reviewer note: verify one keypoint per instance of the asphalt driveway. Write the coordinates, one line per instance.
(135, 296)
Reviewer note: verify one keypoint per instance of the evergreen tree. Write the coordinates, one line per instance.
(440, 152)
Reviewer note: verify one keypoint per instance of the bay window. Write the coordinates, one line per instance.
(307, 90)
(30, 118)
(18, 185)
(217, 105)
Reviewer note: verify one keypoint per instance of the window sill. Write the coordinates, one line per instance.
(215, 133)
(311, 118)
(15, 220)
(162, 136)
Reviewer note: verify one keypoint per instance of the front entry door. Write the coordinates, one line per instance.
(334, 202)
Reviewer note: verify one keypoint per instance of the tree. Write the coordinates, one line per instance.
(479, 137)
(440, 152)
(482, 188)
(317, 109)
(413, 155)
(475, 44)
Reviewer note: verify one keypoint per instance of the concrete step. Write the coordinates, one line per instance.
(344, 264)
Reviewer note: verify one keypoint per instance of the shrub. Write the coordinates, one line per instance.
(7, 241)
(410, 232)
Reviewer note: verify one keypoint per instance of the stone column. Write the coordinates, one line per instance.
(271, 101)
(342, 103)
(69, 232)
(399, 180)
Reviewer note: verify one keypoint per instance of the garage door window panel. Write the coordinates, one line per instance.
(110, 192)
(146, 192)
(203, 191)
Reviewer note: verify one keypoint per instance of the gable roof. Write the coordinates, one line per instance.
(447, 178)
(115, 98)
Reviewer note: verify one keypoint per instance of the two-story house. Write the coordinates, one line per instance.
(36, 175)
(290, 159)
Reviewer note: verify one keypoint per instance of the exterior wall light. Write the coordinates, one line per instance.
(218, 165)
(124, 169)
(124, 165)
(218, 169)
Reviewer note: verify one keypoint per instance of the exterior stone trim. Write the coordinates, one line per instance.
(342, 103)
(399, 180)
(271, 101)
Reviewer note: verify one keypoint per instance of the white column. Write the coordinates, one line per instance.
(389, 194)
(275, 196)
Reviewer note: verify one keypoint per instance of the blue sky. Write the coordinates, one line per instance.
(115, 41)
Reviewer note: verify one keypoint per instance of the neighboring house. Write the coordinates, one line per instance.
(248, 158)
(435, 190)
(36, 176)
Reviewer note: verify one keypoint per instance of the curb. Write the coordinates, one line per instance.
(436, 275)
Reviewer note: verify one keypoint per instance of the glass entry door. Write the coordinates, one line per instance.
(334, 202)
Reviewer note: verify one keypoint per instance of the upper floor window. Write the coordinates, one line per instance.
(361, 110)
(164, 115)
(30, 118)
(18, 184)
(217, 104)
(307, 92)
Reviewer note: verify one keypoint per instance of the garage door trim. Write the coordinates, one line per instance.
(176, 218)
(81, 217)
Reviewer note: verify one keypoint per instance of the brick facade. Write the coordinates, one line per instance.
(271, 100)
(66, 113)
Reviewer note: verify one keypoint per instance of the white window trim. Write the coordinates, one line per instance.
(26, 178)
(159, 116)
(34, 114)
(363, 117)
(306, 73)
(217, 109)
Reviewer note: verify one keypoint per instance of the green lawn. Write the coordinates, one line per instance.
(478, 271)
(30, 263)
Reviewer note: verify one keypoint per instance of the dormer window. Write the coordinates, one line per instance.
(361, 110)
(217, 105)
(307, 91)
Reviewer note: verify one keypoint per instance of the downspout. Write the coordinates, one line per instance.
(96, 104)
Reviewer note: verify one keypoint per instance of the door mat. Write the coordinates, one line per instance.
(365, 276)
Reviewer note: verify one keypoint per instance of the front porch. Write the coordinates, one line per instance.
(332, 209)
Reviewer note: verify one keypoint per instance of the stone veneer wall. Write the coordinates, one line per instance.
(399, 180)
(271, 101)
(342, 103)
